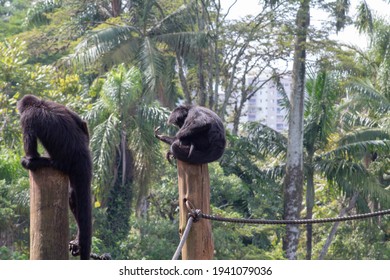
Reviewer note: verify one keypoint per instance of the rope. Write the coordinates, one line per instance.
(294, 222)
(183, 239)
(196, 214)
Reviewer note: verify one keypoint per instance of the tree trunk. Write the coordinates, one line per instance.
(201, 64)
(119, 202)
(116, 6)
(183, 80)
(293, 181)
(333, 231)
(215, 63)
(310, 195)
(229, 89)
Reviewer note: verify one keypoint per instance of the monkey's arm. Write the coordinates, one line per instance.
(166, 139)
(30, 143)
(33, 160)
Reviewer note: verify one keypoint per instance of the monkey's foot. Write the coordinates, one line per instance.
(170, 157)
(35, 163)
(74, 248)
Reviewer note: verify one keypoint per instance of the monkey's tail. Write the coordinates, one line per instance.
(82, 209)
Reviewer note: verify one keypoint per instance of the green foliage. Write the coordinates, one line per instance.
(364, 242)
(122, 104)
(152, 240)
(8, 254)
(14, 206)
(18, 78)
(12, 14)
(36, 15)
(146, 39)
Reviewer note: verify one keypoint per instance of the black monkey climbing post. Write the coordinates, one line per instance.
(49, 224)
(194, 187)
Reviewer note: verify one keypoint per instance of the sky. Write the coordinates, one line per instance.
(348, 35)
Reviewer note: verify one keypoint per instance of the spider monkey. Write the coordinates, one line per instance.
(65, 137)
(201, 136)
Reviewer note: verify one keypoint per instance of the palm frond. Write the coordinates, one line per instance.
(241, 159)
(104, 143)
(122, 88)
(141, 140)
(36, 15)
(364, 134)
(384, 76)
(97, 113)
(364, 20)
(154, 114)
(365, 95)
(101, 42)
(186, 42)
(349, 177)
(177, 21)
(357, 149)
(322, 91)
(152, 63)
(168, 93)
(350, 121)
(266, 140)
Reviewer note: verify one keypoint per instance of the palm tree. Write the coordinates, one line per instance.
(358, 140)
(293, 181)
(339, 162)
(123, 142)
(151, 39)
(320, 116)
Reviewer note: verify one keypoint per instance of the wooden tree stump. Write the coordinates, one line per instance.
(49, 224)
(194, 186)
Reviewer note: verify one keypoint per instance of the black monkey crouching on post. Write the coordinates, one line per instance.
(64, 135)
(201, 137)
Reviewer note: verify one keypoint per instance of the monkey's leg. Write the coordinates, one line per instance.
(74, 247)
(30, 143)
(81, 207)
(180, 150)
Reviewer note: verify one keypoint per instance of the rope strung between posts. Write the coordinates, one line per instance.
(197, 214)
(296, 222)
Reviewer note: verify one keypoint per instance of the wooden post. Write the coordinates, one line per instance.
(49, 224)
(194, 185)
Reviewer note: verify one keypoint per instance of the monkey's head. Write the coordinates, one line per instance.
(179, 115)
(26, 102)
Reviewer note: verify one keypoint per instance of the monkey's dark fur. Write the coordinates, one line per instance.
(201, 137)
(65, 137)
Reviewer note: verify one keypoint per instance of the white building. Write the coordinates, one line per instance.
(265, 106)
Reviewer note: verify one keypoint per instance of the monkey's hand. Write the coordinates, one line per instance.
(156, 130)
(35, 163)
